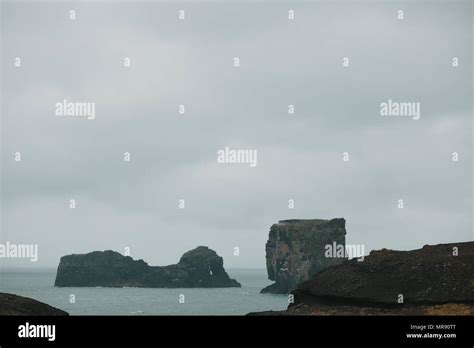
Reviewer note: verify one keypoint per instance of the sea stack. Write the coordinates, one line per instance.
(197, 268)
(295, 251)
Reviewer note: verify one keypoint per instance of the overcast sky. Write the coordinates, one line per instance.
(300, 156)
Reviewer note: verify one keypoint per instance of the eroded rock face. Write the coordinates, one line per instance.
(198, 268)
(18, 305)
(295, 251)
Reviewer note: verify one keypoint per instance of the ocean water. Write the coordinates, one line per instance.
(38, 285)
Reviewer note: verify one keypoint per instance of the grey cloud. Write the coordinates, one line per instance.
(173, 157)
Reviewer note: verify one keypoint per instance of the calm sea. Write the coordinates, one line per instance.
(38, 285)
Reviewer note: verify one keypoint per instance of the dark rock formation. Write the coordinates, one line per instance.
(321, 309)
(295, 251)
(434, 280)
(17, 305)
(431, 275)
(198, 268)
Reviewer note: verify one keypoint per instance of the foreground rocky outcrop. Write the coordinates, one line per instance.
(18, 305)
(295, 251)
(321, 309)
(434, 280)
(198, 268)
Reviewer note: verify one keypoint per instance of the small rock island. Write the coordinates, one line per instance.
(295, 251)
(197, 268)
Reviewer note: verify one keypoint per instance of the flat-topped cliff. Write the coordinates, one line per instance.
(295, 250)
